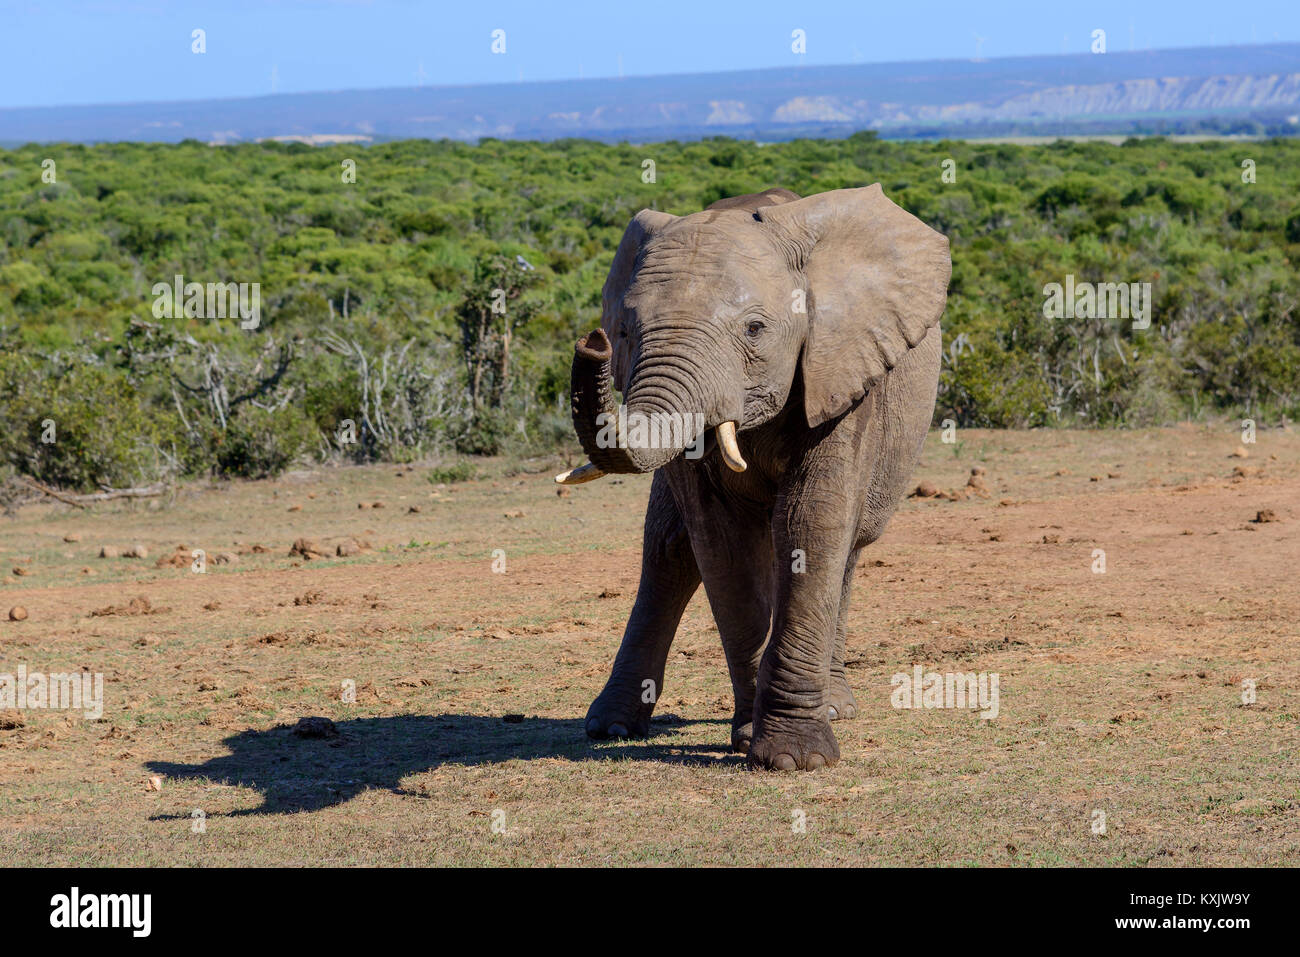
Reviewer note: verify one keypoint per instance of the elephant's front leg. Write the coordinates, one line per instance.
(813, 526)
(669, 578)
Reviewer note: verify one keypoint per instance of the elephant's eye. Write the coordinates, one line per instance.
(753, 328)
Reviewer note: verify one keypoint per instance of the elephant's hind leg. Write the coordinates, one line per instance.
(840, 701)
(739, 581)
(669, 578)
(732, 540)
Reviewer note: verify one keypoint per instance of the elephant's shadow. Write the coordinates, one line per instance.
(297, 774)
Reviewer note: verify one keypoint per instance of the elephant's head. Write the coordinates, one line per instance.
(708, 318)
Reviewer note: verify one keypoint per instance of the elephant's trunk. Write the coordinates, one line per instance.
(593, 403)
(661, 428)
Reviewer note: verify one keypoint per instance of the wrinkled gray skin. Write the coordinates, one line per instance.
(832, 402)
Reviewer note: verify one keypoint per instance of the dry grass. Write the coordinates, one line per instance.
(1120, 692)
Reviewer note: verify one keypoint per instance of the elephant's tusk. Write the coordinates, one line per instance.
(583, 473)
(730, 450)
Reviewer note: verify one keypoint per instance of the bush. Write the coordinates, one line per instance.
(486, 434)
(458, 471)
(260, 444)
(990, 388)
(82, 429)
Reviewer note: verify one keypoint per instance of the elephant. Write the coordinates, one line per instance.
(794, 344)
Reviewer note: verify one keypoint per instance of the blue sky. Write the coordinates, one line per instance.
(115, 51)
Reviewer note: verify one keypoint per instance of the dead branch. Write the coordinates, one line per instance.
(80, 501)
(67, 500)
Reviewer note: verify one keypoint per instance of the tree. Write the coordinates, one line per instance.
(491, 312)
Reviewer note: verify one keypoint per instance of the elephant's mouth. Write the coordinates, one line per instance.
(600, 424)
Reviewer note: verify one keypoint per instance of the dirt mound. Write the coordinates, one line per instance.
(177, 559)
(289, 638)
(140, 605)
(975, 487)
(315, 727)
(308, 549)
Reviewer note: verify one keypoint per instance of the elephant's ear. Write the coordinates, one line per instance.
(641, 227)
(877, 280)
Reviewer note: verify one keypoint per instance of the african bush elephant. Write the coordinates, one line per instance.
(794, 346)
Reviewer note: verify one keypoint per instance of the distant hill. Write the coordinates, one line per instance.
(1242, 89)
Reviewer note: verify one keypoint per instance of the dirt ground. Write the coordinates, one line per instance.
(1121, 692)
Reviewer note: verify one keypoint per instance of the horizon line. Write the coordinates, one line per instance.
(643, 76)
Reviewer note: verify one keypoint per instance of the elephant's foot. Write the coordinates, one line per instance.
(619, 712)
(805, 744)
(742, 731)
(842, 704)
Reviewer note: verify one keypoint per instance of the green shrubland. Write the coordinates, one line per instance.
(378, 338)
